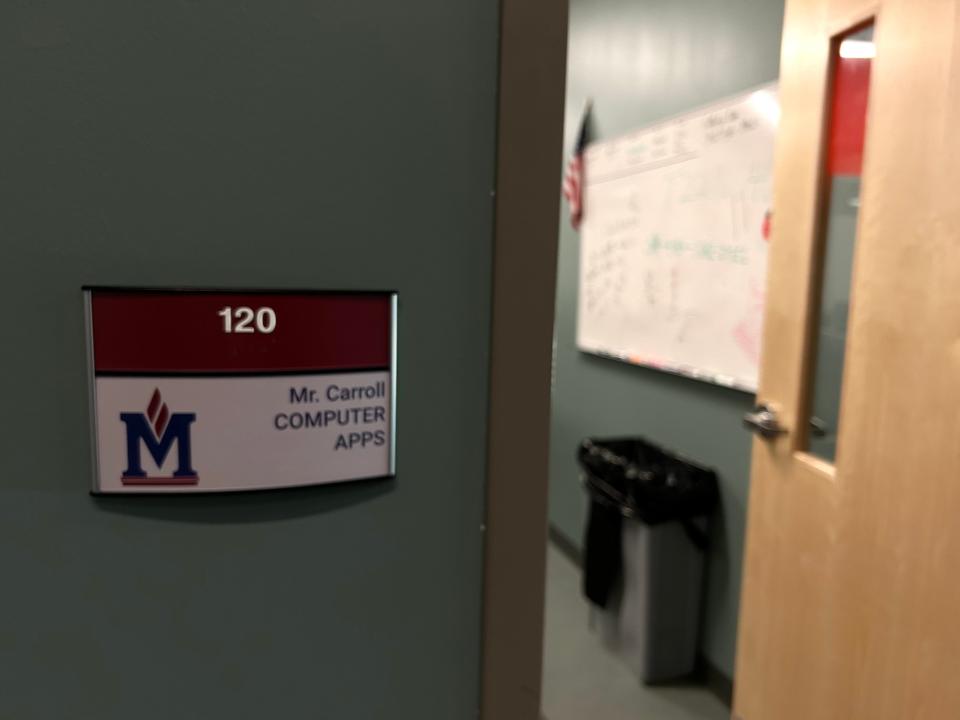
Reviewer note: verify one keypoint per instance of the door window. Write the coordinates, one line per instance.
(852, 62)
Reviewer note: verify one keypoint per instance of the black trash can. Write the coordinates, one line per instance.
(644, 552)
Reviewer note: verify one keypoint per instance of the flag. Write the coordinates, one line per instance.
(573, 178)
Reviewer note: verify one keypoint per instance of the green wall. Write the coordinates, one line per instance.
(312, 144)
(639, 61)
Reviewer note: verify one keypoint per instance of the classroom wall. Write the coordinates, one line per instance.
(307, 144)
(640, 61)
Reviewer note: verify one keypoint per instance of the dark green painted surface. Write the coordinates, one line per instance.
(306, 144)
(641, 61)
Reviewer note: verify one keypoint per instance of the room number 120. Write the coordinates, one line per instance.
(248, 320)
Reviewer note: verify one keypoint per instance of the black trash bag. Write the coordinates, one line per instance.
(633, 478)
(602, 551)
(649, 482)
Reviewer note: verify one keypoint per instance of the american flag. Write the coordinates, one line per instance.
(573, 178)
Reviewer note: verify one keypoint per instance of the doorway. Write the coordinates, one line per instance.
(846, 592)
(635, 62)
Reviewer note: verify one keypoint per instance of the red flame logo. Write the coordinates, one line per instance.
(158, 413)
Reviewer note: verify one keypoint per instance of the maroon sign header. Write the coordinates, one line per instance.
(197, 332)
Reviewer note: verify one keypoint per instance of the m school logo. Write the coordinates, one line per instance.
(158, 430)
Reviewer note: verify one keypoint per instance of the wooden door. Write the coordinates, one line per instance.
(852, 571)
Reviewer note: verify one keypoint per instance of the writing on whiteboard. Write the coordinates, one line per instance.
(673, 242)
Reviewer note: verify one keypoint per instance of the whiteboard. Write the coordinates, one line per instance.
(673, 244)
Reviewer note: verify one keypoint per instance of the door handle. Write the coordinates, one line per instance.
(763, 421)
(818, 428)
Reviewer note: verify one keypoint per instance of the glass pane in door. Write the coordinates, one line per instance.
(851, 89)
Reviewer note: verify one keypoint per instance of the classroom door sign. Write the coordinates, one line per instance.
(216, 391)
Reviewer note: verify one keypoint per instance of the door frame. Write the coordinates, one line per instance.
(531, 87)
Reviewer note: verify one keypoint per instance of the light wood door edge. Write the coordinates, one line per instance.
(529, 151)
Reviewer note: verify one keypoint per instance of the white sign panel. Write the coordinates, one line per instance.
(199, 391)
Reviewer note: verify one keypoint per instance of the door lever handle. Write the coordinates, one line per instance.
(818, 428)
(763, 421)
